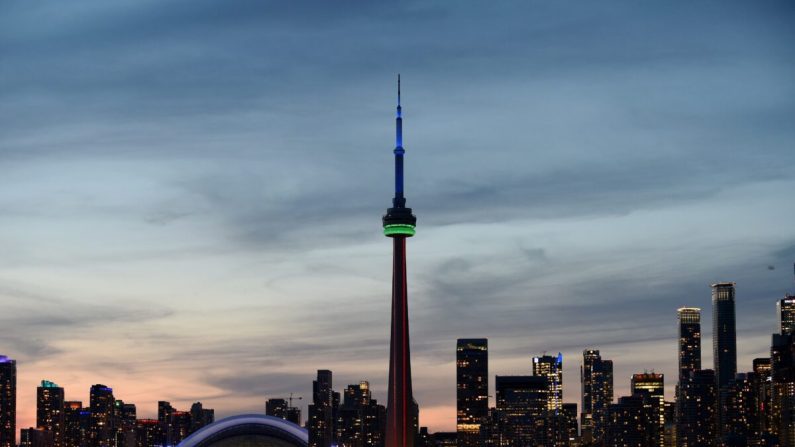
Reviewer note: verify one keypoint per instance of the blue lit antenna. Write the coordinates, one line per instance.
(399, 201)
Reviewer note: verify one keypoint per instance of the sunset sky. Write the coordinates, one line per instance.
(191, 191)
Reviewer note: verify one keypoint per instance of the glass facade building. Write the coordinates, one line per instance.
(596, 378)
(724, 333)
(50, 410)
(651, 387)
(689, 340)
(8, 402)
(551, 367)
(785, 310)
(472, 389)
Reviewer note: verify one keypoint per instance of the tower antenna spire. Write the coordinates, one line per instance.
(398, 90)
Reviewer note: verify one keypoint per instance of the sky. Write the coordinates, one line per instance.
(191, 191)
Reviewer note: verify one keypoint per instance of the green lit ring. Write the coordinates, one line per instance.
(404, 229)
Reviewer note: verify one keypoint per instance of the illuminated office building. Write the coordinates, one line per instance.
(472, 389)
(698, 409)
(102, 420)
(8, 402)
(740, 409)
(785, 308)
(782, 362)
(321, 412)
(361, 420)
(569, 411)
(627, 422)
(124, 422)
(399, 224)
(75, 425)
(276, 407)
(596, 378)
(521, 402)
(179, 428)
(551, 367)
(50, 411)
(149, 432)
(279, 408)
(651, 388)
(763, 390)
(689, 340)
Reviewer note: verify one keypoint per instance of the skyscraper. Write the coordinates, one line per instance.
(399, 223)
(102, 429)
(698, 409)
(689, 340)
(651, 387)
(50, 410)
(551, 367)
(521, 401)
(200, 416)
(596, 377)
(627, 422)
(74, 428)
(472, 389)
(8, 402)
(782, 362)
(321, 418)
(362, 421)
(785, 308)
(724, 333)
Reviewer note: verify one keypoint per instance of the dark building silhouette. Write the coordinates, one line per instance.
(651, 388)
(321, 413)
(739, 407)
(76, 426)
(782, 360)
(472, 389)
(724, 333)
(149, 432)
(689, 340)
(627, 422)
(551, 367)
(762, 383)
(361, 420)
(276, 407)
(521, 402)
(785, 308)
(280, 408)
(200, 416)
(8, 402)
(399, 224)
(724, 340)
(102, 421)
(50, 410)
(179, 427)
(669, 428)
(698, 409)
(596, 378)
(569, 411)
(35, 437)
(124, 422)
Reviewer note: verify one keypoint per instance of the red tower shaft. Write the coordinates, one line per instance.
(401, 409)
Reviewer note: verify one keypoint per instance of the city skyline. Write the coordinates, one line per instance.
(162, 192)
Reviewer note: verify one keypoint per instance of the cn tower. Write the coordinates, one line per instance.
(399, 223)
